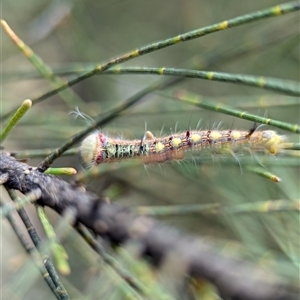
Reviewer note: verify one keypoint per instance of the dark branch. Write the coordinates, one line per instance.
(234, 278)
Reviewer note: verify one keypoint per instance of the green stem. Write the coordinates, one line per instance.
(216, 208)
(29, 198)
(240, 20)
(278, 85)
(34, 254)
(70, 97)
(15, 119)
(38, 244)
(219, 107)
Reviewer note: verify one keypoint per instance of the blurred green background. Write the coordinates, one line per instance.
(77, 34)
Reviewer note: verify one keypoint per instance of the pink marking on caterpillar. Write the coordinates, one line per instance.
(98, 148)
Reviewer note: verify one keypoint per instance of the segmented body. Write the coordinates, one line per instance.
(98, 148)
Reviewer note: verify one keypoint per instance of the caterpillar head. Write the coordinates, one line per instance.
(91, 149)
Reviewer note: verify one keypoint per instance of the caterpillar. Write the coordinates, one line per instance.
(98, 148)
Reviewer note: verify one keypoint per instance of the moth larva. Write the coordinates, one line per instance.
(98, 148)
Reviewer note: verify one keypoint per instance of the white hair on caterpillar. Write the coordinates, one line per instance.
(98, 148)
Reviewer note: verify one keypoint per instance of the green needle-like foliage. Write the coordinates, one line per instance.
(237, 71)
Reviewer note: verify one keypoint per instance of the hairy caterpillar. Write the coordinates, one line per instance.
(98, 148)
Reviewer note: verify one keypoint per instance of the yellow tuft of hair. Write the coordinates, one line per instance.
(272, 141)
(159, 147)
(176, 142)
(195, 138)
